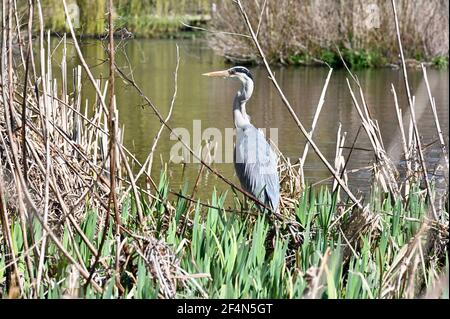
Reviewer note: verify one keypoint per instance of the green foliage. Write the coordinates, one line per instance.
(358, 59)
(158, 18)
(93, 17)
(355, 59)
(54, 17)
(330, 57)
(152, 26)
(162, 18)
(299, 59)
(441, 62)
(244, 256)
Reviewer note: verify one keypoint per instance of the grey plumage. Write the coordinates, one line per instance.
(254, 160)
(256, 166)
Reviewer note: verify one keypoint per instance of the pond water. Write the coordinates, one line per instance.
(209, 100)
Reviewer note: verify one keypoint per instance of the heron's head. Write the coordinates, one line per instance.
(238, 72)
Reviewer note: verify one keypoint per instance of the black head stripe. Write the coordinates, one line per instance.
(241, 69)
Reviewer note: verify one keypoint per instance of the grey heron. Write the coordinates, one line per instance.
(255, 162)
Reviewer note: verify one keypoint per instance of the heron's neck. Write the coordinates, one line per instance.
(241, 119)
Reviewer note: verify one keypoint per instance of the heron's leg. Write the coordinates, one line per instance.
(273, 233)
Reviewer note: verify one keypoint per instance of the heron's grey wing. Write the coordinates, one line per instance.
(256, 166)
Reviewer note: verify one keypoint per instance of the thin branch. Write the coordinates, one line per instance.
(260, 18)
(169, 114)
(291, 111)
(219, 32)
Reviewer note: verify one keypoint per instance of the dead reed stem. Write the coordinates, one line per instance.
(435, 116)
(406, 154)
(45, 133)
(314, 122)
(9, 121)
(413, 117)
(112, 123)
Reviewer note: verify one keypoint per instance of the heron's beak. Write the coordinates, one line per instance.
(223, 73)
